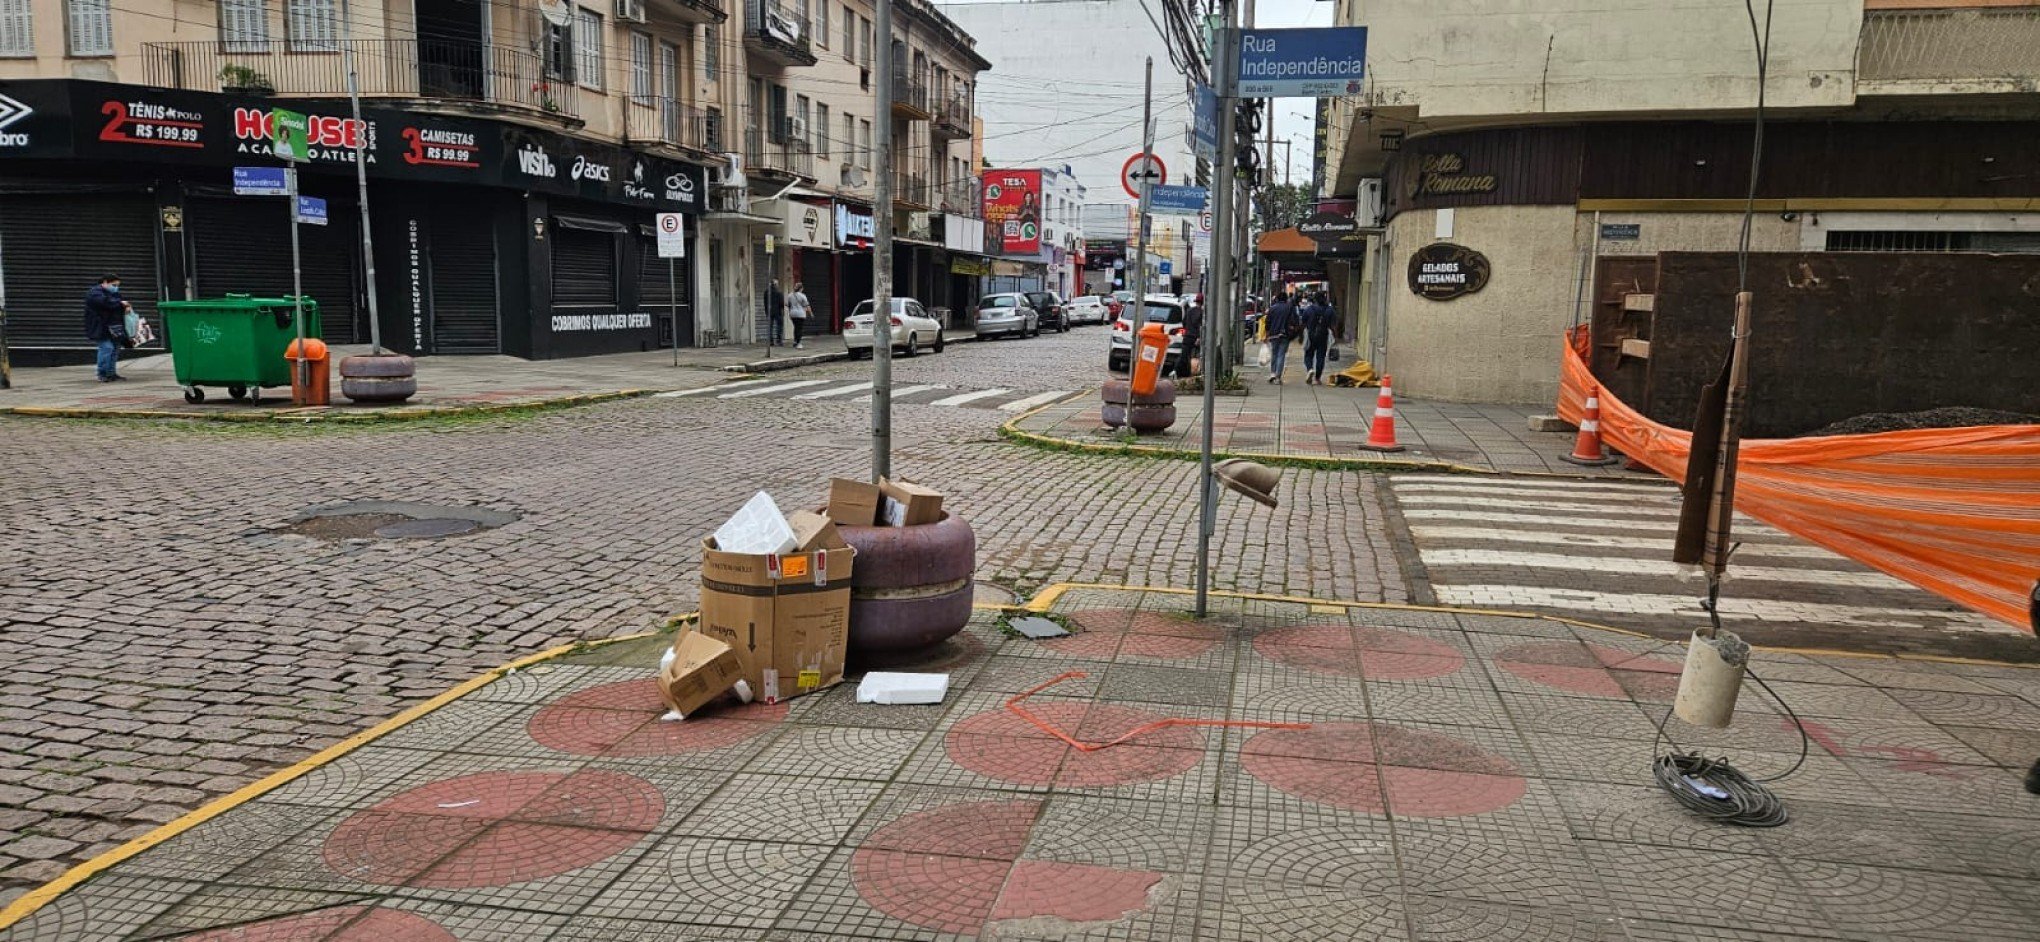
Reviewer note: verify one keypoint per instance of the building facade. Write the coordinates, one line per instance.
(1525, 155)
(517, 156)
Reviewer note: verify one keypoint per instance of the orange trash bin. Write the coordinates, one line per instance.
(1150, 353)
(311, 382)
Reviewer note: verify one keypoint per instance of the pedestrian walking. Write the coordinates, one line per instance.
(1319, 321)
(1193, 331)
(775, 311)
(797, 308)
(1280, 328)
(106, 325)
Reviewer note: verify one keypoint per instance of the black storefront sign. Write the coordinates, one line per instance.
(65, 118)
(1328, 226)
(1621, 231)
(1442, 271)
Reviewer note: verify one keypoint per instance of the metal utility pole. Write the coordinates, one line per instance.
(1219, 308)
(1140, 228)
(361, 174)
(302, 369)
(881, 254)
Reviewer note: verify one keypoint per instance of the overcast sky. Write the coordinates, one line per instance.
(1293, 115)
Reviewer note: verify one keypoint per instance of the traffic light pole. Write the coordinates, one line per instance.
(1222, 308)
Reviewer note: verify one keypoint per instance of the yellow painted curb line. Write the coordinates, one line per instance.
(308, 415)
(1012, 431)
(1046, 599)
(41, 896)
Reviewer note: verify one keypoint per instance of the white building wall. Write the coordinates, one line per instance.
(1065, 88)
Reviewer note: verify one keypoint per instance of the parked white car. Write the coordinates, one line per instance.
(1088, 309)
(1159, 309)
(912, 329)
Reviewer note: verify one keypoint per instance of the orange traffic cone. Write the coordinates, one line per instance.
(1382, 436)
(1587, 447)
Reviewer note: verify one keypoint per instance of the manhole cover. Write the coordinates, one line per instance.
(428, 528)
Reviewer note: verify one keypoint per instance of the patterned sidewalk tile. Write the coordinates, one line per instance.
(1703, 888)
(1912, 904)
(690, 881)
(1457, 919)
(782, 808)
(1253, 911)
(110, 907)
(838, 752)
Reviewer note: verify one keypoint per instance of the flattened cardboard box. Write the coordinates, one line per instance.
(853, 503)
(702, 669)
(787, 616)
(908, 504)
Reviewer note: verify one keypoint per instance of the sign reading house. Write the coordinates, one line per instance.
(1442, 271)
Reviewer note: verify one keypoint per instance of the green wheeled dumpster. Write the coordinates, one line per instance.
(237, 342)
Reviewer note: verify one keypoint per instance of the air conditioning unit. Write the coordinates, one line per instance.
(796, 128)
(1367, 206)
(630, 10)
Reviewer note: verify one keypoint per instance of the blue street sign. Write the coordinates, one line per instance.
(311, 210)
(1302, 63)
(1166, 266)
(1177, 199)
(261, 181)
(1204, 130)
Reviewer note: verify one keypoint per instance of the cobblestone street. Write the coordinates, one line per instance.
(176, 640)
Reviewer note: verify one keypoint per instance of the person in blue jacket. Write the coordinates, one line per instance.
(106, 325)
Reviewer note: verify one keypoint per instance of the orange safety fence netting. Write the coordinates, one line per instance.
(1955, 511)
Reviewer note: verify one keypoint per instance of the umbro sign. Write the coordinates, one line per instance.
(11, 112)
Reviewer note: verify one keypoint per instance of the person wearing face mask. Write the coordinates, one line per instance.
(106, 325)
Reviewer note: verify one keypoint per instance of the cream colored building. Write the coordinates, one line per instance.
(1557, 138)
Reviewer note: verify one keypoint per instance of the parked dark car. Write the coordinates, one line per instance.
(1050, 306)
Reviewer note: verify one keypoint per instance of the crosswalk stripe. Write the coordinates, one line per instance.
(677, 393)
(1733, 608)
(1603, 541)
(839, 391)
(775, 387)
(904, 391)
(969, 397)
(1633, 566)
(1529, 487)
(1022, 405)
(1743, 526)
(1582, 507)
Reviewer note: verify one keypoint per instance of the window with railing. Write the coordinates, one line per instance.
(17, 28)
(556, 47)
(244, 25)
(641, 68)
(588, 47)
(88, 27)
(314, 25)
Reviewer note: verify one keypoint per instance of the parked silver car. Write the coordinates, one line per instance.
(1007, 315)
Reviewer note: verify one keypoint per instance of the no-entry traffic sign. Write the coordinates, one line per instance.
(1142, 168)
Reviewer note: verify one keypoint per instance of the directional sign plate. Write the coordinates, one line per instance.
(261, 181)
(1302, 63)
(1178, 199)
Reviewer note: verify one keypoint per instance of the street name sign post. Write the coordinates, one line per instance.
(1301, 63)
(672, 234)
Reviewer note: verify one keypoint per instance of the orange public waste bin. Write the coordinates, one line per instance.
(311, 382)
(1150, 353)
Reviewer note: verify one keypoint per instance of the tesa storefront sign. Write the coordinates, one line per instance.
(1013, 208)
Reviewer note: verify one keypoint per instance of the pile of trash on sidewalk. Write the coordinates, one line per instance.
(775, 603)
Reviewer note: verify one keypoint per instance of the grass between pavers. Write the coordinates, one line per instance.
(293, 422)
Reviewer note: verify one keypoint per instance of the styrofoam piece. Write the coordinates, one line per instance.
(1712, 677)
(756, 529)
(892, 687)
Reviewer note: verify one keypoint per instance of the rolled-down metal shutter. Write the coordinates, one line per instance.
(54, 247)
(242, 245)
(464, 316)
(817, 277)
(584, 268)
(657, 292)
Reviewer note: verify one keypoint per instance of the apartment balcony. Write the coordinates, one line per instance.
(910, 99)
(1975, 50)
(777, 152)
(778, 34)
(677, 124)
(952, 120)
(912, 189)
(478, 73)
(960, 196)
(696, 11)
